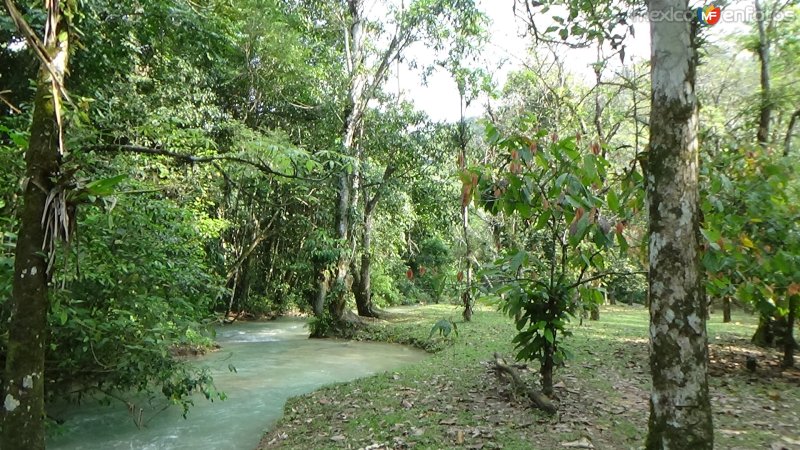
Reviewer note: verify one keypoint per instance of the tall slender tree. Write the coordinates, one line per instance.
(436, 22)
(764, 42)
(42, 218)
(680, 410)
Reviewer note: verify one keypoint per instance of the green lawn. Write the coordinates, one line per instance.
(453, 399)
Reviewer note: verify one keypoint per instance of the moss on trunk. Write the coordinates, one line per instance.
(680, 410)
(23, 391)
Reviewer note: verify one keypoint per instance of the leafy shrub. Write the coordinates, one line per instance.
(384, 290)
(135, 285)
(432, 268)
(630, 287)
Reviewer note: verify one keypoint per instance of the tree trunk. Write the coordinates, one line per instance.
(773, 330)
(765, 109)
(789, 344)
(23, 392)
(363, 292)
(353, 115)
(765, 334)
(466, 296)
(726, 309)
(547, 368)
(318, 305)
(787, 141)
(337, 304)
(680, 409)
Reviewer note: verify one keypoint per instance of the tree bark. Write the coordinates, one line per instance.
(765, 334)
(466, 296)
(787, 141)
(726, 309)
(765, 109)
(363, 292)
(353, 114)
(789, 344)
(548, 364)
(23, 392)
(323, 281)
(680, 409)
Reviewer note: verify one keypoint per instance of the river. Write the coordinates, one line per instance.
(274, 361)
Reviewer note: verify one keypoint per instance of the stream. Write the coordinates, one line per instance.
(273, 360)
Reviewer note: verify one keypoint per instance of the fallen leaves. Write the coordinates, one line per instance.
(602, 398)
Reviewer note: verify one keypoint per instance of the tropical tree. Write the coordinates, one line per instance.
(752, 239)
(369, 51)
(680, 408)
(43, 219)
(557, 189)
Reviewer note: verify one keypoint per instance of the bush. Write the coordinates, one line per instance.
(384, 290)
(628, 289)
(432, 268)
(136, 284)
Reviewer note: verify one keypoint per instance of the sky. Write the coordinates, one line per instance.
(507, 48)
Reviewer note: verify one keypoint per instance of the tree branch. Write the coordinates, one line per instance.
(194, 159)
(387, 174)
(603, 275)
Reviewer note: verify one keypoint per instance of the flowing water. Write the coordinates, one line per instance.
(273, 360)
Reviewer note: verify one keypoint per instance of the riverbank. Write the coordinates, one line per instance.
(453, 398)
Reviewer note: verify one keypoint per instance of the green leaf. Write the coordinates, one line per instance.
(104, 186)
(589, 167)
(580, 230)
(541, 222)
(519, 259)
(623, 244)
(548, 335)
(525, 210)
(612, 201)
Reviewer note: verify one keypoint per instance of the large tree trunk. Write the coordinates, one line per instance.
(363, 292)
(23, 392)
(765, 109)
(680, 409)
(353, 115)
(318, 302)
(337, 303)
(765, 332)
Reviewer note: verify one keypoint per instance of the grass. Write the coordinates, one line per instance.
(453, 400)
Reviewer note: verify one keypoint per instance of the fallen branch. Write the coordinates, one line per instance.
(502, 368)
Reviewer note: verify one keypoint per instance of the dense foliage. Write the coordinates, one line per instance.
(241, 159)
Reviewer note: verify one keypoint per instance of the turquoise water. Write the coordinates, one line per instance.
(274, 361)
